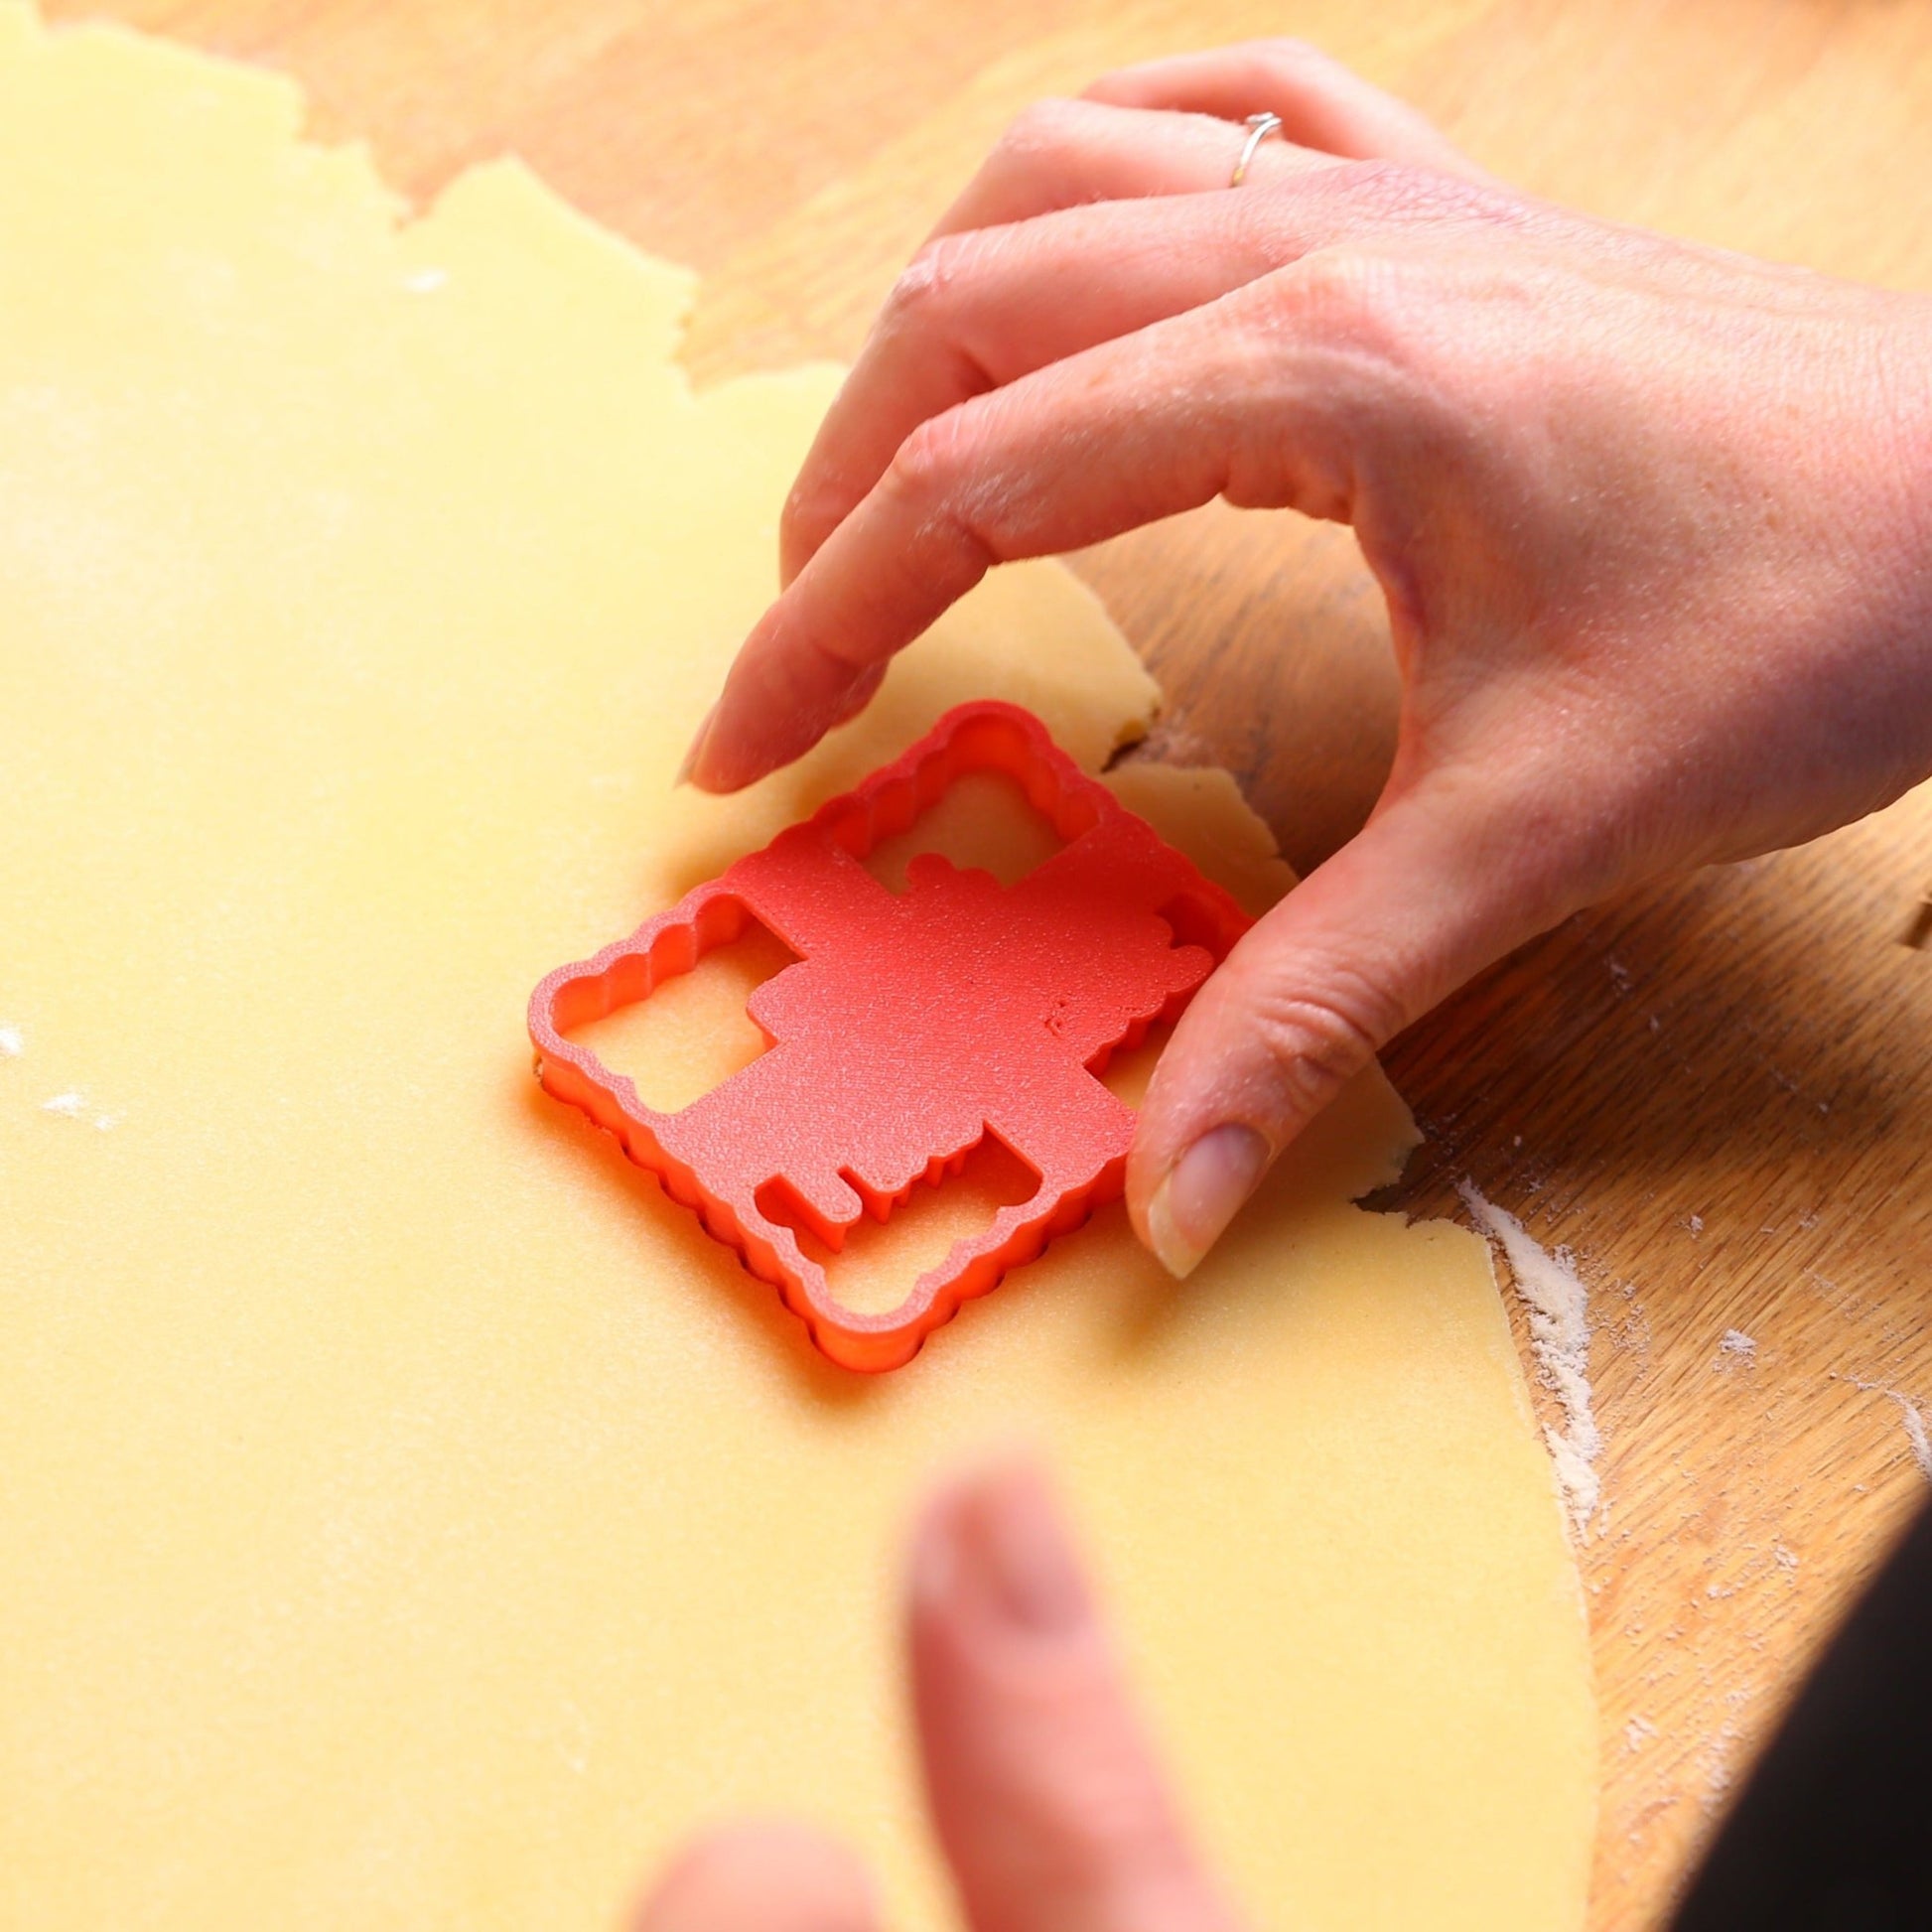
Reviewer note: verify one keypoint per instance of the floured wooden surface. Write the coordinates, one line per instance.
(1555, 1308)
(412, 1519)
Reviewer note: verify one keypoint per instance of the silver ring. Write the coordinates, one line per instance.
(1260, 127)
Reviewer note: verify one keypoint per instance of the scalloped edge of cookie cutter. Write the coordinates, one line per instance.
(987, 735)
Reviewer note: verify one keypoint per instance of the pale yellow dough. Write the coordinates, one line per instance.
(408, 1518)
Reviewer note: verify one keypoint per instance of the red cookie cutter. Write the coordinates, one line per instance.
(912, 1024)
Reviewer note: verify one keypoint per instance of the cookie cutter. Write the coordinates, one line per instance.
(912, 1025)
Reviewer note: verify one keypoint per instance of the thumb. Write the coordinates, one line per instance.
(1043, 1792)
(1420, 901)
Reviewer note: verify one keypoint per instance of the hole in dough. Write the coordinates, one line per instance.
(876, 1267)
(1126, 1070)
(982, 820)
(692, 1033)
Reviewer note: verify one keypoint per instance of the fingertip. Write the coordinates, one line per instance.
(705, 769)
(992, 1550)
(694, 751)
(716, 784)
(763, 1876)
(1045, 1791)
(731, 751)
(1201, 1192)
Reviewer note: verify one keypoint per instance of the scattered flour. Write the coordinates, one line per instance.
(1559, 1311)
(1736, 1342)
(1637, 1734)
(1916, 1436)
(1720, 1749)
(71, 1105)
(1914, 1419)
(13, 1043)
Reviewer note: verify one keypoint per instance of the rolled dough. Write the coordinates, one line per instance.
(409, 1518)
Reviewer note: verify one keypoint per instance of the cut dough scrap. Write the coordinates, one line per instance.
(410, 1518)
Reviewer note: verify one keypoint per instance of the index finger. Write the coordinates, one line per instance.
(1263, 396)
(981, 310)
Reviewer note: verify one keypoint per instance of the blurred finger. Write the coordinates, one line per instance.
(773, 1876)
(1322, 103)
(1045, 1792)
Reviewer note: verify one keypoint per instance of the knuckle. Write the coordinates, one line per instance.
(1315, 1043)
(1380, 183)
(1413, 193)
(926, 464)
(1351, 291)
(939, 481)
(1291, 57)
(1045, 127)
(929, 277)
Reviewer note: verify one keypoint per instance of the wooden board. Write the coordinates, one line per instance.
(1715, 1093)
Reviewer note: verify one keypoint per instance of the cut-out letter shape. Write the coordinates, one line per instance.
(912, 1025)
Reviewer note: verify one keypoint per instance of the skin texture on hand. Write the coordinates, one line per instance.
(1049, 1809)
(1653, 523)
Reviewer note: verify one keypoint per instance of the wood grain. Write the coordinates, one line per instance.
(1717, 1093)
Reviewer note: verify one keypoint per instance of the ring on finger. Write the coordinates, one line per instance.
(1260, 127)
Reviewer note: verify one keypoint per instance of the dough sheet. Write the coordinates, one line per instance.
(409, 1518)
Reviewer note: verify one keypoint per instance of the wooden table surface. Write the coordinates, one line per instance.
(1717, 1094)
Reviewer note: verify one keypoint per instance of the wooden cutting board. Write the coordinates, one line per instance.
(1718, 1094)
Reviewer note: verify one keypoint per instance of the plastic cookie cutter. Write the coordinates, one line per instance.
(912, 1025)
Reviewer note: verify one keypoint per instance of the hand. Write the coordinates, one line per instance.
(1654, 526)
(1048, 1805)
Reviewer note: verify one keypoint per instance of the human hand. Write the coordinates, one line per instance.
(1653, 523)
(1049, 1807)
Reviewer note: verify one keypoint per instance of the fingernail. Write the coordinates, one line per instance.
(1000, 1543)
(1203, 1192)
(691, 757)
